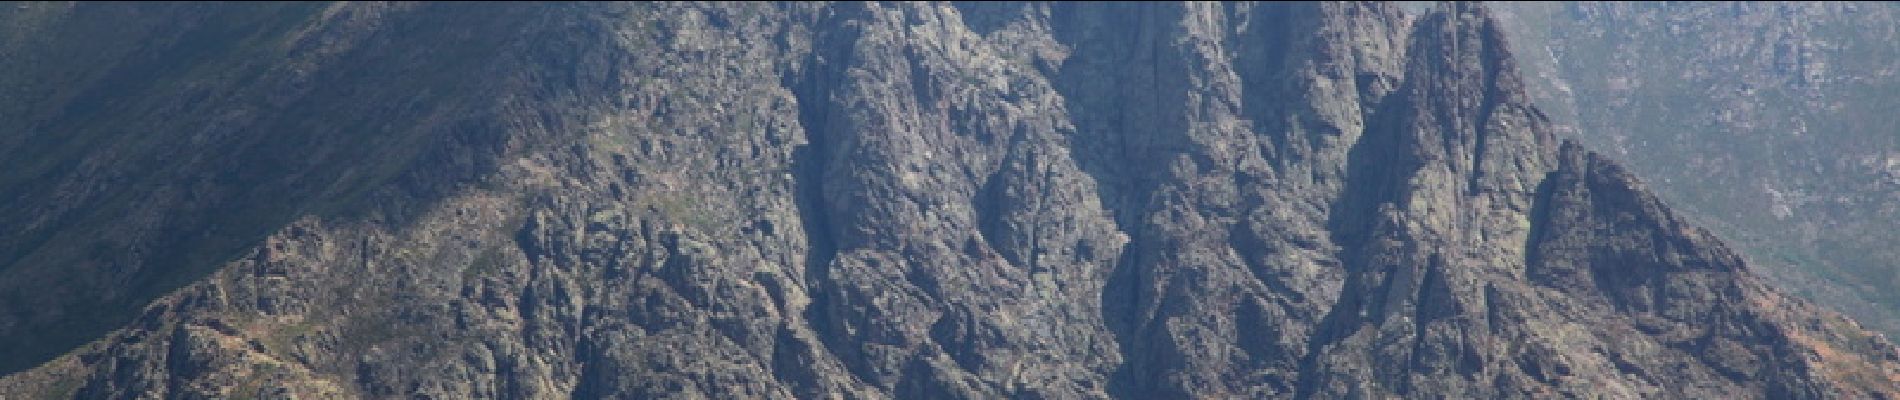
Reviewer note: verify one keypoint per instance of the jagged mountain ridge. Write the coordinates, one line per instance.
(1064, 200)
(1769, 123)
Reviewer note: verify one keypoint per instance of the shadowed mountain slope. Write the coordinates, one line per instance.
(913, 200)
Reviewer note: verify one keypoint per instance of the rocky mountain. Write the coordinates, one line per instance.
(849, 200)
(1771, 123)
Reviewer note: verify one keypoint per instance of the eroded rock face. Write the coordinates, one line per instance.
(1769, 123)
(989, 200)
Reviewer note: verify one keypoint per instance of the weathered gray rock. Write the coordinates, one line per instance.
(1769, 123)
(916, 200)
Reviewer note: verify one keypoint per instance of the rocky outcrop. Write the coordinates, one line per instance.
(975, 200)
(1768, 123)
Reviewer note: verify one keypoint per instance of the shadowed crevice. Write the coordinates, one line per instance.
(812, 162)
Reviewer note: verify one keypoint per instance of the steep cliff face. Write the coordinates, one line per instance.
(1772, 123)
(971, 200)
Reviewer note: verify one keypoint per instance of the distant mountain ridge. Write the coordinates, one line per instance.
(1771, 122)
